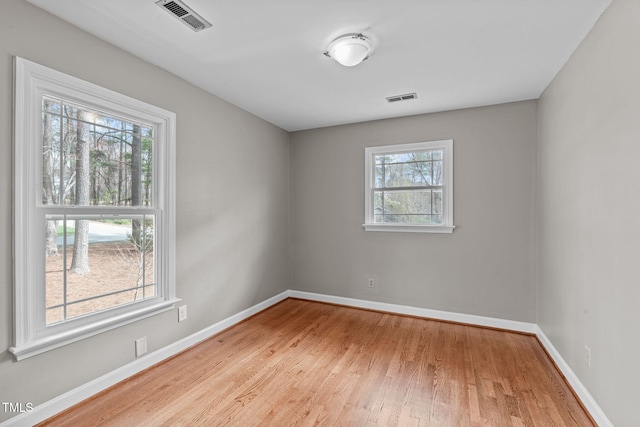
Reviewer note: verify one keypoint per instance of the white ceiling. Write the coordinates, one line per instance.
(266, 56)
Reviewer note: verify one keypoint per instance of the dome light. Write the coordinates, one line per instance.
(350, 49)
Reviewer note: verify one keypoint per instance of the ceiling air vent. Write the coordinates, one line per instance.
(404, 97)
(185, 14)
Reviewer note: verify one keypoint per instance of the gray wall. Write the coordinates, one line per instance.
(483, 268)
(589, 211)
(232, 203)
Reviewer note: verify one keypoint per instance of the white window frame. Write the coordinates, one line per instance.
(31, 334)
(447, 222)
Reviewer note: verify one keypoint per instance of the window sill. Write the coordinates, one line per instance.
(400, 228)
(42, 344)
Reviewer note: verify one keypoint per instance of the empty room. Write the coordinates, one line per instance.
(344, 213)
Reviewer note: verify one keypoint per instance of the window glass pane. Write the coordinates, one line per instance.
(419, 207)
(146, 167)
(437, 173)
(409, 174)
(379, 176)
(147, 132)
(54, 267)
(55, 261)
(103, 263)
(51, 105)
(51, 159)
(69, 111)
(90, 158)
(419, 156)
(54, 314)
(80, 308)
(409, 169)
(407, 202)
(378, 206)
(412, 156)
(108, 122)
(437, 201)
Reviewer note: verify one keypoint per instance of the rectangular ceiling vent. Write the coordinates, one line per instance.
(404, 97)
(185, 14)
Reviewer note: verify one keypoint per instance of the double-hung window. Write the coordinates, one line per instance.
(409, 187)
(94, 209)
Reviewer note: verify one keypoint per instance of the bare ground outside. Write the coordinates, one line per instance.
(115, 278)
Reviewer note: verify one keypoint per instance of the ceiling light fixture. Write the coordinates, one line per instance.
(350, 49)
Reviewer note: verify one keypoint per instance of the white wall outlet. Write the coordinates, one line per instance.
(182, 313)
(372, 283)
(587, 356)
(141, 346)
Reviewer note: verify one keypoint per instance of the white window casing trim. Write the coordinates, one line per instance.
(31, 82)
(447, 226)
(41, 345)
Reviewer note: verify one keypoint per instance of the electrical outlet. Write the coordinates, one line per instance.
(372, 283)
(182, 313)
(587, 356)
(141, 346)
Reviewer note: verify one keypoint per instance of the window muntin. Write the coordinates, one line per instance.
(409, 187)
(129, 158)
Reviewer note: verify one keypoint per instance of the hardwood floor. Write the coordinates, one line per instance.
(308, 363)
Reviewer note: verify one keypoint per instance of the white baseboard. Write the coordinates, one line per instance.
(588, 401)
(78, 394)
(72, 397)
(491, 322)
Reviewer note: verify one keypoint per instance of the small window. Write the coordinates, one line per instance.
(409, 187)
(94, 238)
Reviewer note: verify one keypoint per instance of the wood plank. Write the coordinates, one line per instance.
(308, 363)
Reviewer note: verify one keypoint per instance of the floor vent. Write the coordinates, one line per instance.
(185, 14)
(404, 97)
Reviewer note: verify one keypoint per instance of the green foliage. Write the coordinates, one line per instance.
(70, 231)
(118, 221)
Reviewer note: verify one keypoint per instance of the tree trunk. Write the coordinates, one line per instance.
(147, 170)
(136, 181)
(51, 247)
(80, 262)
(120, 171)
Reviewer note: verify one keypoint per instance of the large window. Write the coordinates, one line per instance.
(409, 187)
(94, 209)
